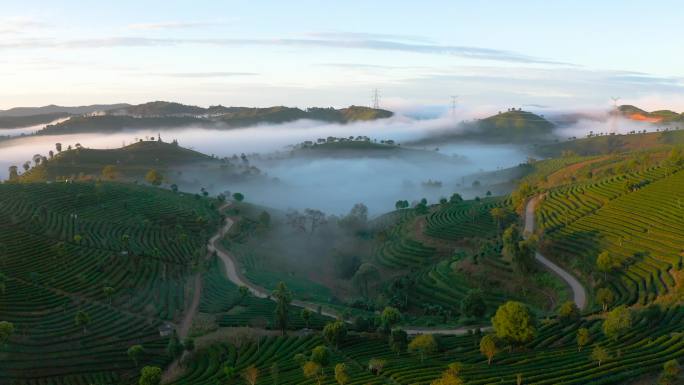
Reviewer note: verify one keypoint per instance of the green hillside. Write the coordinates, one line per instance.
(118, 255)
(130, 162)
(515, 126)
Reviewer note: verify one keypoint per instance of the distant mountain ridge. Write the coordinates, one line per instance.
(160, 114)
(54, 109)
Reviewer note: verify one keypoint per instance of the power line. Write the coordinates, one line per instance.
(453, 104)
(376, 99)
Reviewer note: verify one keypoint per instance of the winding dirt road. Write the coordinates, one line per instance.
(235, 276)
(579, 294)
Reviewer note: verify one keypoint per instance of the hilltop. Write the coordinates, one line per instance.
(660, 116)
(513, 126)
(160, 114)
(175, 165)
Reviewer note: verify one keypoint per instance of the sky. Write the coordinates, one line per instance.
(491, 54)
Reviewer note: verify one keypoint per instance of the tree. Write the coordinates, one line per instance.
(473, 304)
(320, 355)
(341, 374)
(315, 218)
(568, 312)
(617, 322)
(13, 174)
(670, 374)
(264, 219)
(238, 197)
(306, 316)
(110, 172)
(58, 147)
(456, 198)
(450, 375)
(313, 370)
(499, 214)
(6, 331)
(150, 375)
(605, 297)
(174, 348)
(488, 348)
(367, 272)
(606, 263)
(154, 177)
(514, 323)
(244, 292)
(108, 292)
(283, 297)
(511, 238)
(401, 204)
(250, 375)
(334, 332)
(376, 365)
(583, 338)
(423, 345)
(390, 316)
(599, 354)
(135, 353)
(398, 340)
(82, 319)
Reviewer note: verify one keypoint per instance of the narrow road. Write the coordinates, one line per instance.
(235, 276)
(183, 328)
(579, 294)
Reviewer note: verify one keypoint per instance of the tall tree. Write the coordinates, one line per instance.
(605, 297)
(366, 273)
(82, 319)
(618, 321)
(135, 353)
(283, 297)
(341, 374)
(514, 323)
(150, 375)
(488, 348)
(583, 338)
(423, 345)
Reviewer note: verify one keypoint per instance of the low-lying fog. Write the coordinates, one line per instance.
(331, 184)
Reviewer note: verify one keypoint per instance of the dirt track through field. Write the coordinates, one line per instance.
(579, 294)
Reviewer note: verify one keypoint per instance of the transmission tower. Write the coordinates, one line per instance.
(454, 98)
(376, 99)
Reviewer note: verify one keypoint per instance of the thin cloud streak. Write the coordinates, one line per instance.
(206, 74)
(173, 25)
(365, 44)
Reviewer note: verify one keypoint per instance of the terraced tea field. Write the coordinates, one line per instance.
(62, 244)
(642, 227)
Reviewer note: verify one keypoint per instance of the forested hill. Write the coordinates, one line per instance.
(170, 115)
(513, 126)
(132, 161)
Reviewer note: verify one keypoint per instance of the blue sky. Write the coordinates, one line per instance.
(492, 54)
